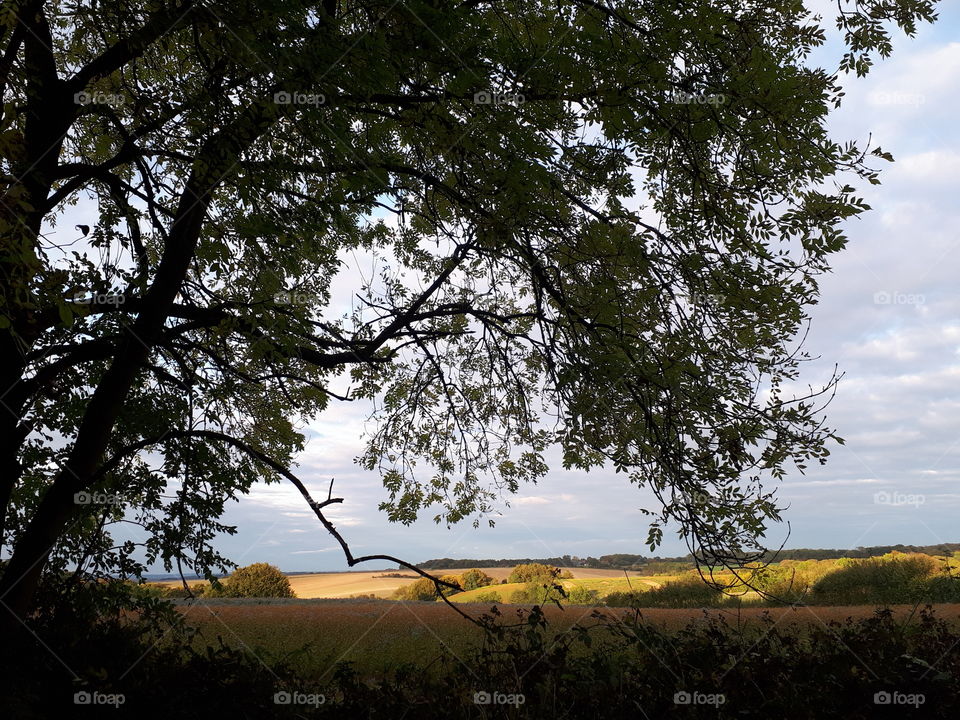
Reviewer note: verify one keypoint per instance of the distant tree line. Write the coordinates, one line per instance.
(627, 561)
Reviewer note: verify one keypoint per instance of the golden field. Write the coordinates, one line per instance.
(377, 582)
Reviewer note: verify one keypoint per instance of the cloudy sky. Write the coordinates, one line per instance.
(889, 317)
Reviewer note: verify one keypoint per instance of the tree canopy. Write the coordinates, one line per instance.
(259, 580)
(597, 227)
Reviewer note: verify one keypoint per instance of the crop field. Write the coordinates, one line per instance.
(380, 636)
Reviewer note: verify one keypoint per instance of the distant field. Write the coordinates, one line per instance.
(602, 584)
(351, 584)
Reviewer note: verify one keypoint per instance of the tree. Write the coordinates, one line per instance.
(258, 580)
(619, 211)
(475, 578)
(533, 572)
(453, 585)
(419, 590)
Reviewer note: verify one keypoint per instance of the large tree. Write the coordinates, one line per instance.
(598, 226)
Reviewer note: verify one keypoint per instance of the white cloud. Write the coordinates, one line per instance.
(530, 500)
(898, 406)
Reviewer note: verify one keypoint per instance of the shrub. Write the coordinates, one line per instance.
(151, 590)
(257, 580)
(216, 589)
(784, 583)
(543, 590)
(520, 596)
(475, 578)
(419, 590)
(489, 597)
(892, 578)
(689, 591)
(623, 598)
(665, 567)
(579, 595)
(453, 579)
(943, 589)
(533, 571)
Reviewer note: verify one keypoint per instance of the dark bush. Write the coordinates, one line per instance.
(623, 598)
(943, 589)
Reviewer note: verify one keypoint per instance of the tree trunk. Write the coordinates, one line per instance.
(20, 580)
(21, 577)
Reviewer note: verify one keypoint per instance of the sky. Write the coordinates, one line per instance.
(889, 317)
